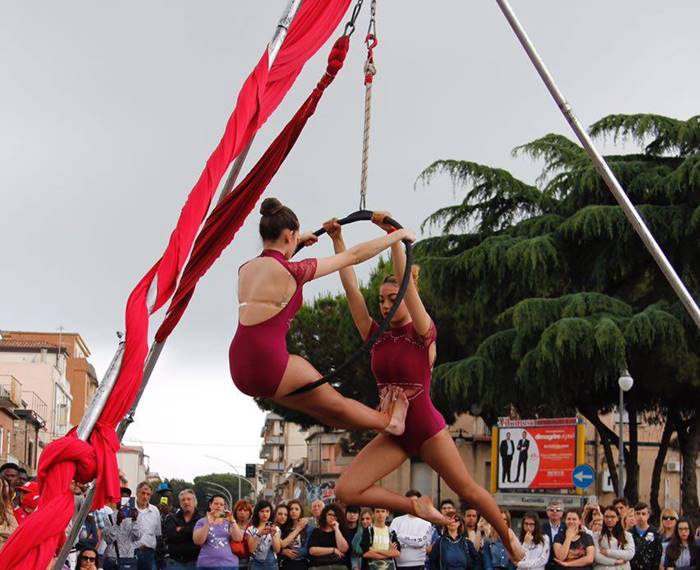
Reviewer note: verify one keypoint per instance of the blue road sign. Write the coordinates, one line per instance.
(583, 476)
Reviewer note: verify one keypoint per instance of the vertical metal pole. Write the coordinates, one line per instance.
(83, 432)
(621, 461)
(273, 49)
(602, 167)
(95, 409)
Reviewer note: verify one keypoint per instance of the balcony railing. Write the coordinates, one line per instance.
(273, 466)
(31, 401)
(10, 392)
(273, 439)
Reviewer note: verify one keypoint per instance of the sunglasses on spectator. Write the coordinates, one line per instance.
(668, 518)
(88, 559)
(554, 510)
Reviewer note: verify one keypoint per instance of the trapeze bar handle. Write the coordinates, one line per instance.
(357, 216)
(365, 215)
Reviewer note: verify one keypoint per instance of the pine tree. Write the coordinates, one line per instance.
(549, 293)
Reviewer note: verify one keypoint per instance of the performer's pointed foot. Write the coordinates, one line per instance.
(398, 411)
(423, 508)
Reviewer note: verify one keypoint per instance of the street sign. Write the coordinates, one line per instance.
(583, 476)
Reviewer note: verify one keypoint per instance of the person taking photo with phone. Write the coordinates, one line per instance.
(214, 533)
(263, 537)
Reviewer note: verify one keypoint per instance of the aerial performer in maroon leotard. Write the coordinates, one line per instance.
(270, 294)
(403, 357)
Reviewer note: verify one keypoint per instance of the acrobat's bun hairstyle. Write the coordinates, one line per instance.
(275, 218)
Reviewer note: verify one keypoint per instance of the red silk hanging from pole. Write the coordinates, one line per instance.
(228, 216)
(34, 544)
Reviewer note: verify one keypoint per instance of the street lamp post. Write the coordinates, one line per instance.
(625, 382)
(235, 470)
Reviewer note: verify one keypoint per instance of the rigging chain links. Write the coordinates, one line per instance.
(350, 26)
(370, 72)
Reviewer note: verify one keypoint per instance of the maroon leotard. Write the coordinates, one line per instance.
(402, 357)
(258, 354)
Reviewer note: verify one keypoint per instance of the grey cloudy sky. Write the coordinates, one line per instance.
(108, 112)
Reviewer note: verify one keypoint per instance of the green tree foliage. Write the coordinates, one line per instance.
(206, 485)
(550, 293)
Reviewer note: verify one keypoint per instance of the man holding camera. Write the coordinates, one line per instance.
(121, 534)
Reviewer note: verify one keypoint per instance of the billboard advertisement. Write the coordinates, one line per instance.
(536, 454)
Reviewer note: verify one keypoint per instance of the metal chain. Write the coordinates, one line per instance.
(350, 26)
(370, 71)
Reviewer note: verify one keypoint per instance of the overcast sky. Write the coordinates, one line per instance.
(108, 112)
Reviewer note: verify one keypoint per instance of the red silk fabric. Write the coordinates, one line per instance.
(228, 216)
(33, 544)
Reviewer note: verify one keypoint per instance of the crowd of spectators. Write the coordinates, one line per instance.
(176, 534)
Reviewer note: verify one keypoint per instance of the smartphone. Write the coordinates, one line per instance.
(127, 503)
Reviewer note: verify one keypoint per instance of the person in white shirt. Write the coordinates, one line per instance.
(148, 524)
(615, 546)
(536, 545)
(414, 536)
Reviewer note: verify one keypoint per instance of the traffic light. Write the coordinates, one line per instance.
(250, 470)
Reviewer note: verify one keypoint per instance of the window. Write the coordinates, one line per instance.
(2, 442)
(30, 454)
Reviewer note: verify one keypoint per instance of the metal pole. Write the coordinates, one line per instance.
(621, 461)
(235, 469)
(83, 432)
(95, 409)
(602, 167)
(273, 49)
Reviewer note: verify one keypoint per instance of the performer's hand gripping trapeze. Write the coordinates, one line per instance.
(402, 358)
(270, 294)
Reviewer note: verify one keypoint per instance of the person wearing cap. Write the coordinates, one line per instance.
(10, 473)
(164, 493)
(29, 501)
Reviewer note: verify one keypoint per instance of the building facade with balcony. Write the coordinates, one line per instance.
(40, 368)
(79, 372)
(283, 445)
(22, 424)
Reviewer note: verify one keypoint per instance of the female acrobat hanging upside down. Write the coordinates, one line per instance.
(270, 294)
(403, 357)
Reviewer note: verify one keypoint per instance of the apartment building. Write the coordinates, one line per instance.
(40, 368)
(79, 372)
(283, 445)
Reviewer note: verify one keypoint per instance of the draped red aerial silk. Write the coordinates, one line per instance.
(228, 216)
(33, 544)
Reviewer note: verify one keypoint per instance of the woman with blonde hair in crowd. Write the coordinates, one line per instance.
(669, 517)
(615, 546)
(242, 511)
(535, 543)
(366, 520)
(494, 553)
(8, 522)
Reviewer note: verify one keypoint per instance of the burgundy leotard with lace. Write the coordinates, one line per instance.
(402, 357)
(258, 354)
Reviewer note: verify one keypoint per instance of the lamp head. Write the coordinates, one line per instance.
(625, 381)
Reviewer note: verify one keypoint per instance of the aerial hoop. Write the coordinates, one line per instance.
(364, 215)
